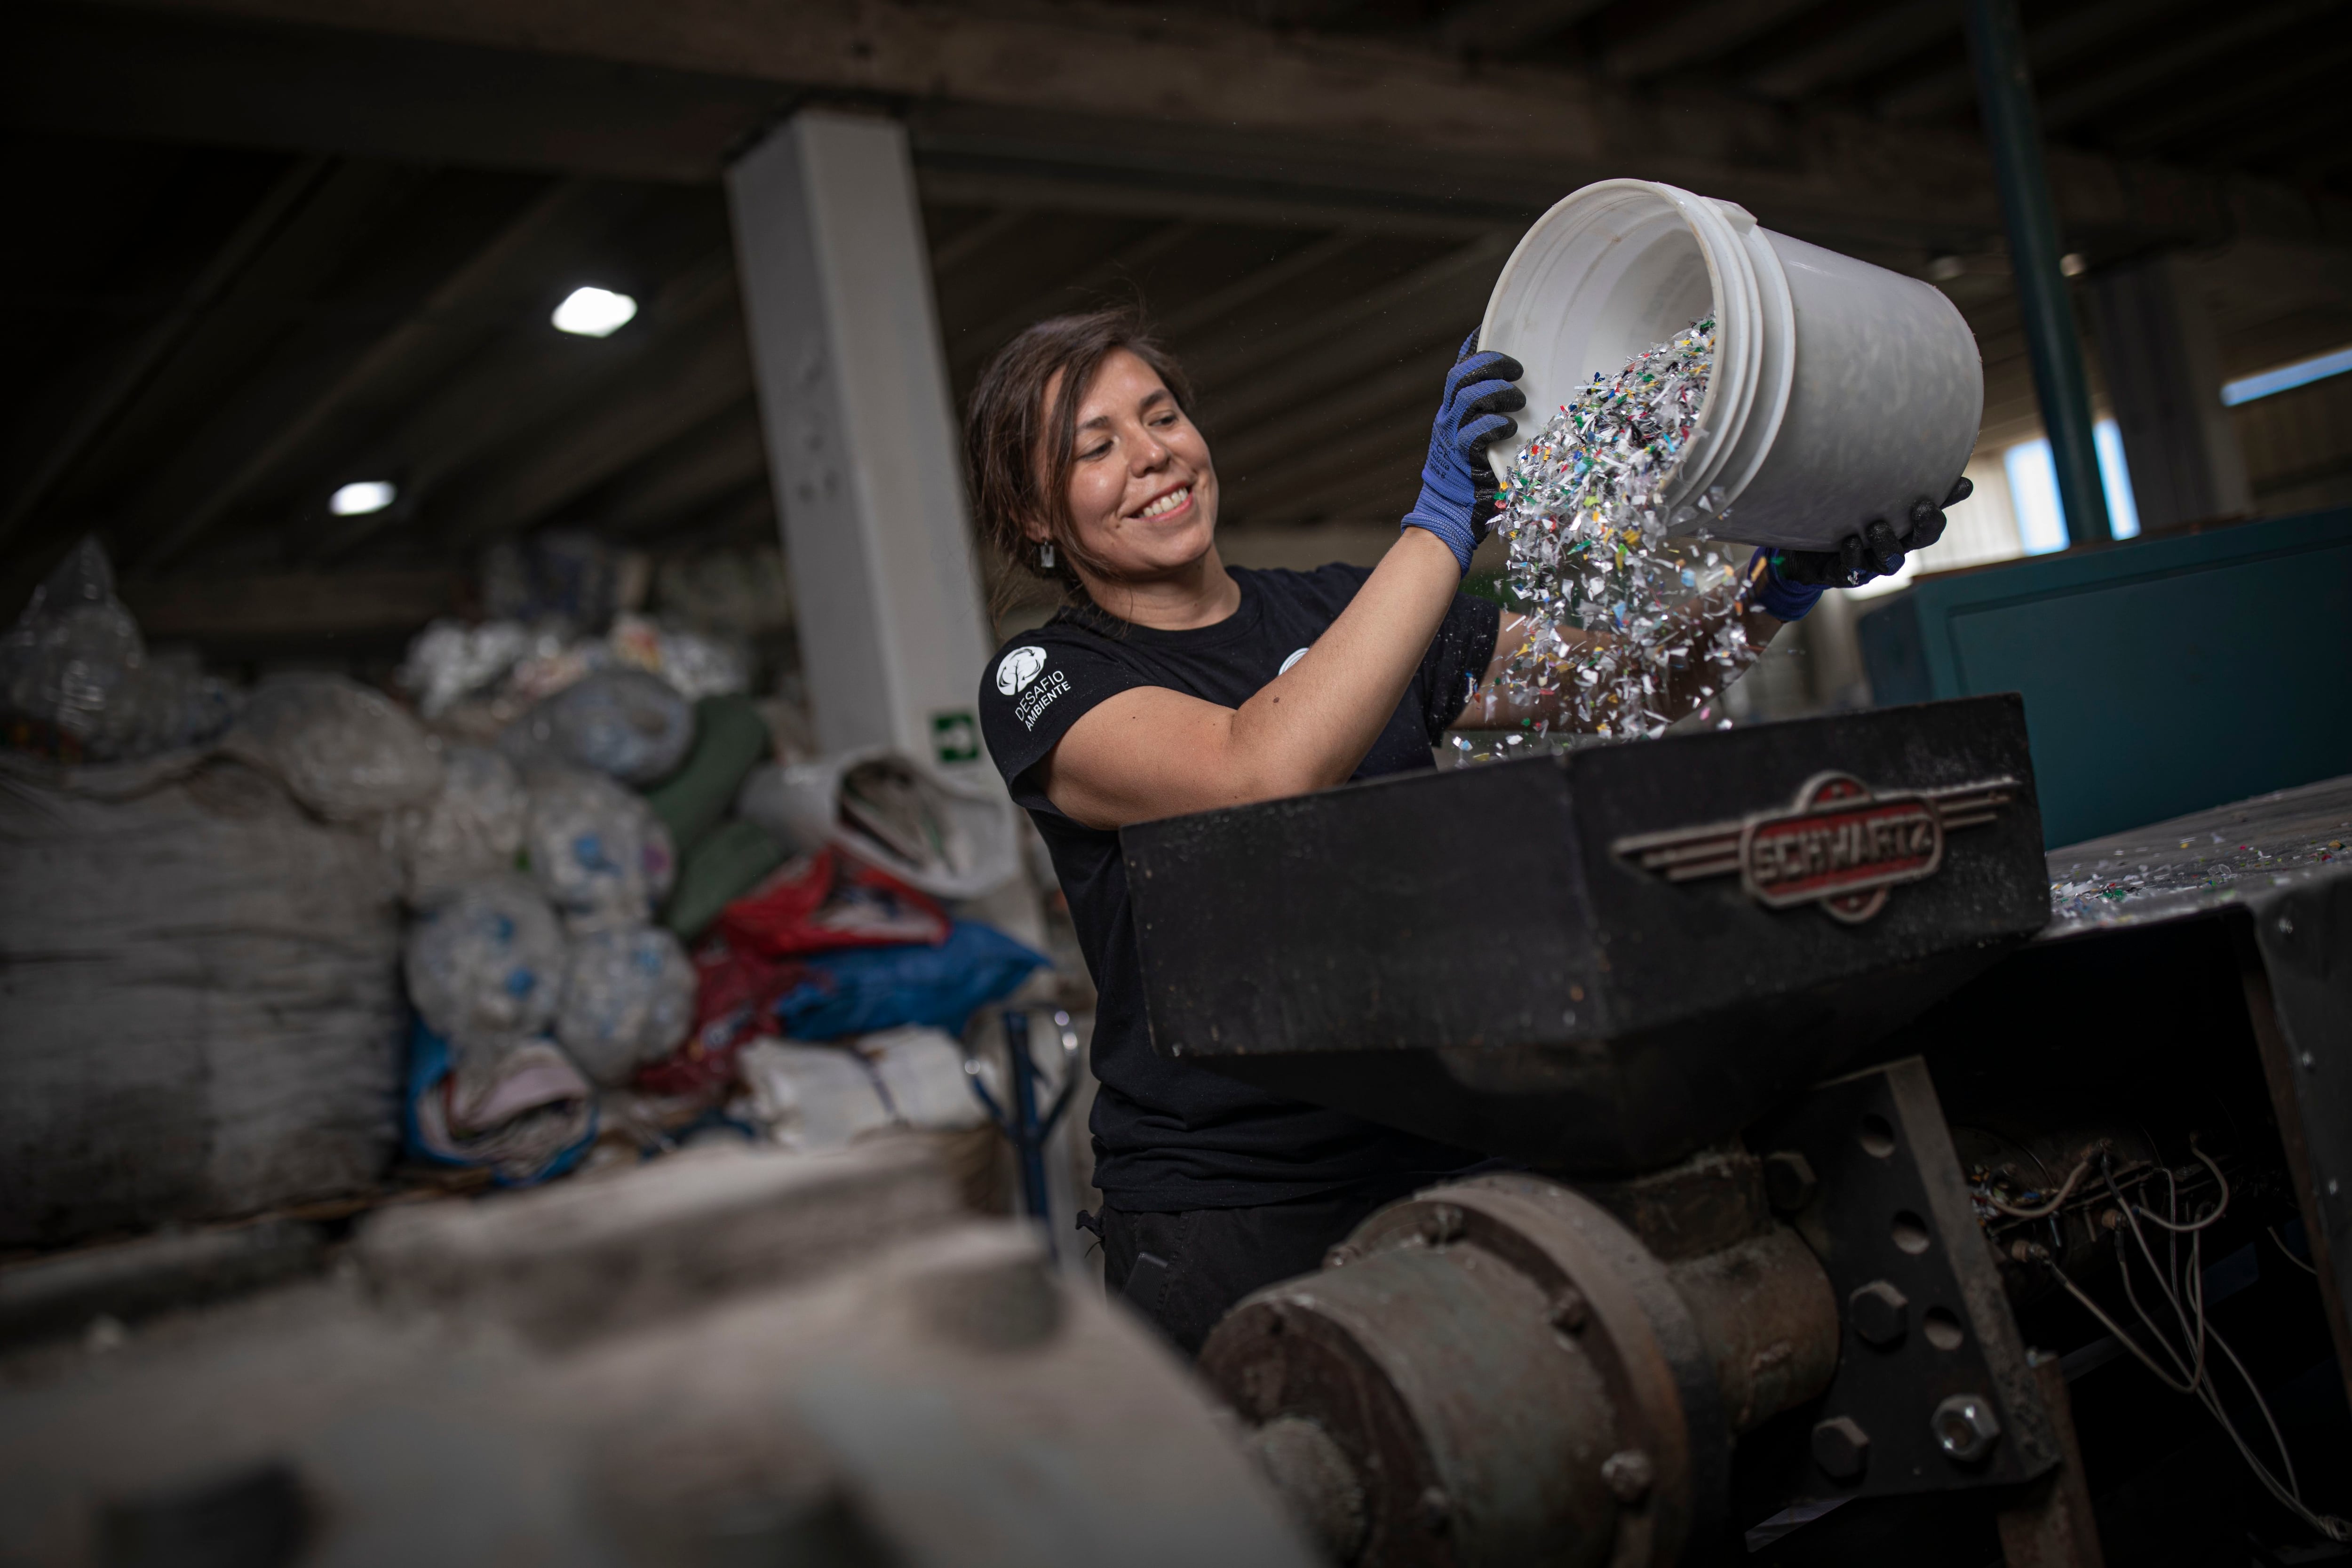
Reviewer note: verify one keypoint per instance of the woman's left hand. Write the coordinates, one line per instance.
(1457, 489)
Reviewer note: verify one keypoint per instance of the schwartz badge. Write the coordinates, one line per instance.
(1839, 845)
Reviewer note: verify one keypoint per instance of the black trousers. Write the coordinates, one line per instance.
(1184, 1272)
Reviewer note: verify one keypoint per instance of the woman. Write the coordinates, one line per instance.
(1173, 683)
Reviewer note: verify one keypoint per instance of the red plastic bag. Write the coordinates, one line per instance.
(829, 901)
(735, 999)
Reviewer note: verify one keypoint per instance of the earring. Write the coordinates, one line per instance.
(1045, 557)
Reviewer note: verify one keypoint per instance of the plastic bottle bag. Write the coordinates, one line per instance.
(487, 963)
(949, 838)
(341, 749)
(628, 999)
(860, 990)
(809, 1098)
(922, 1075)
(449, 660)
(520, 1107)
(472, 829)
(597, 851)
(77, 684)
(623, 723)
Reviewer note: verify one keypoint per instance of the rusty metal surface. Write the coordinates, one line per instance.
(1764, 1309)
(2050, 1522)
(1713, 1199)
(1346, 947)
(1514, 1377)
(1891, 1210)
(2299, 1002)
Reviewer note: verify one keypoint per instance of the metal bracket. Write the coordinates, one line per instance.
(1933, 1392)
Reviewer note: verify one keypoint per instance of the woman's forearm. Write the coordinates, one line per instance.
(1150, 752)
(1312, 726)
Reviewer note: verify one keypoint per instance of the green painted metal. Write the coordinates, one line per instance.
(2160, 677)
(2053, 345)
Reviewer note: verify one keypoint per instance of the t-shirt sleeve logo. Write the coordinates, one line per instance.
(1016, 669)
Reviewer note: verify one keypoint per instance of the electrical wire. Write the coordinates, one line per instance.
(2271, 1231)
(2219, 1208)
(2016, 1210)
(2192, 1374)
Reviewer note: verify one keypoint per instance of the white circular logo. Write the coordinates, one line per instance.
(1296, 654)
(1019, 667)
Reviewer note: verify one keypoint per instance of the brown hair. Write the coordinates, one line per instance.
(1020, 452)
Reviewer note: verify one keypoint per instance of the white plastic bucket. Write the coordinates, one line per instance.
(1841, 392)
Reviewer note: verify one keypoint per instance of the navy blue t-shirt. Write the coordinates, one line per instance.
(1170, 1135)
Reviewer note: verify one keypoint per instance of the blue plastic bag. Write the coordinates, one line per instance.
(531, 1149)
(856, 991)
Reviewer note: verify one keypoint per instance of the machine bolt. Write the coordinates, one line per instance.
(1341, 1256)
(1436, 1511)
(1629, 1475)
(1570, 1312)
(1789, 1180)
(1964, 1428)
(1443, 1224)
(1879, 1313)
(1840, 1448)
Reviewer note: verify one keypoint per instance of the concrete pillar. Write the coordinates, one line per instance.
(2164, 379)
(861, 437)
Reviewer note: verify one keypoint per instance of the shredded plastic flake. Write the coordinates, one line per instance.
(1584, 513)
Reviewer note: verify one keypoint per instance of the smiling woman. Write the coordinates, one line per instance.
(1171, 683)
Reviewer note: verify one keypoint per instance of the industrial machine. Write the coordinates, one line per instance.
(1822, 1170)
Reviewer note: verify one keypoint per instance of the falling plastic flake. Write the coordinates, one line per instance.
(1584, 513)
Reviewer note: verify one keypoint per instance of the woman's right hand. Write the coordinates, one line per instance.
(1457, 489)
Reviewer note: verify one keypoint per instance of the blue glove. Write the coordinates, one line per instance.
(1457, 489)
(1775, 594)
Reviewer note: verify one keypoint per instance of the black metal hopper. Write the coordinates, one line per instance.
(1600, 962)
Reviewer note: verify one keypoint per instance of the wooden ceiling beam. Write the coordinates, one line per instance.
(1274, 101)
(121, 390)
(489, 285)
(2051, 45)
(1903, 28)
(1704, 32)
(718, 458)
(667, 394)
(519, 385)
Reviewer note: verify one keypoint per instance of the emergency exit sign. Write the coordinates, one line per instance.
(955, 737)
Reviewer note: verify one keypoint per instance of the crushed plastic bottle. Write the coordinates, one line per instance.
(472, 829)
(1583, 509)
(487, 964)
(626, 723)
(628, 999)
(341, 749)
(449, 661)
(597, 851)
(77, 682)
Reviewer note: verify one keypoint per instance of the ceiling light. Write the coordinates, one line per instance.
(1944, 268)
(362, 497)
(593, 312)
(2074, 264)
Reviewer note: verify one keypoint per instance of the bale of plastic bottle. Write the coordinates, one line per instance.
(77, 682)
(487, 962)
(628, 999)
(597, 851)
(203, 1013)
(449, 661)
(472, 829)
(342, 749)
(625, 723)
